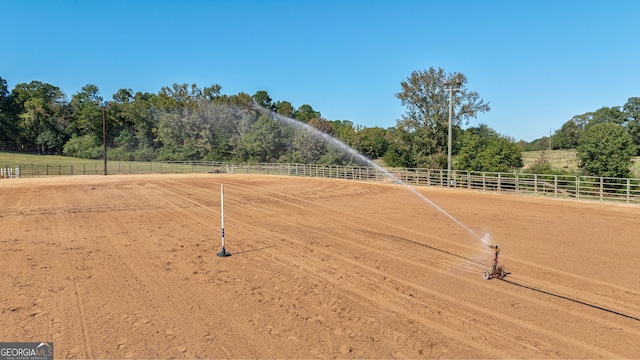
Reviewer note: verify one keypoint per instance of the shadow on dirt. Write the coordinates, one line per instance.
(573, 300)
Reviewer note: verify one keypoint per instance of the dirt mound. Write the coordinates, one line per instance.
(126, 267)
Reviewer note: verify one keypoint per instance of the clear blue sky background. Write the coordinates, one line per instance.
(537, 63)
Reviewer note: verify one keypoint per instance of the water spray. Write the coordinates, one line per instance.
(223, 252)
(280, 118)
(496, 272)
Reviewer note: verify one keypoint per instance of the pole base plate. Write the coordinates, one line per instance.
(223, 253)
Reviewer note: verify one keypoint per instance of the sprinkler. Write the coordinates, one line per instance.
(496, 271)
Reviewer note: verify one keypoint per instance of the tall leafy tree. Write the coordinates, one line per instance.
(401, 151)
(181, 96)
(568, 135)
(322, 124)
(267, 140)
(9, 130)
(606, 149)
(371, 142)
(613, 115)
(211, 92)
(483, 149)
(305, 113)
(263, 99)
(284, 108)
(632, 110)
(344, 130)
(87, 107)
(41, 108)
(306, 147)
(425, 96)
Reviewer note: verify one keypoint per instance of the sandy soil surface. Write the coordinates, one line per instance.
(126, 267)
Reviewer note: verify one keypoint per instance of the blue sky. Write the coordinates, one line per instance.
(537, 63)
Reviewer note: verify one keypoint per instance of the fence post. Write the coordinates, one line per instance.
(499, 183)
(601, 189)
(628, 190)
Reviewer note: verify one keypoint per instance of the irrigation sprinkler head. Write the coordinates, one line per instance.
(497, 271)
(223, 253)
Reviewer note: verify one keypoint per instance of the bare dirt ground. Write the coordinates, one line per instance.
(126, 267)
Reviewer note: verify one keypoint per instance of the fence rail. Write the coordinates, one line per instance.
(558, 186)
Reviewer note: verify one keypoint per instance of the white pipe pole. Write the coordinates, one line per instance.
(222, 213)
(223, 252)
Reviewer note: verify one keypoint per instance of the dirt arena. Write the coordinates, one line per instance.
(126, 267)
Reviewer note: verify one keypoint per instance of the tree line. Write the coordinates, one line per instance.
(605, 140)
(185, 122)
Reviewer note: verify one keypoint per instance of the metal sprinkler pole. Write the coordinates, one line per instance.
(223, 252)
(222, 212)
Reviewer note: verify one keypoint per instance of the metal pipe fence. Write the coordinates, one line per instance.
(557, 186)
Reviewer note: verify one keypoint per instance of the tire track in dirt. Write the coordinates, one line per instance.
(100, 292)
(172, 196)
(606, 300)
(79, 303)
(361, 294)
(51, 270)
(586, 346)
(592, 318)
(194, 299)
(397, 285)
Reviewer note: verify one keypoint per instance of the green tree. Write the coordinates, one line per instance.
(306, 147)
(344, 130)
(371, 142)
(285, 108)
(613, 115)
(41, 109)
(87, 111)
(305, 113)
(9, 127)
(85, 147)
(568, 135)
(321, 124)
(211, 92)
(185, 96)
(267, 141)
(632, 110)
(400, 151)
(483, 149)
(425, 96)
(262, 98)
(606, 149)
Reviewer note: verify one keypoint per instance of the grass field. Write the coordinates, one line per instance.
(16, 158)
(566, 160)
(560, 159)
(46, 165)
